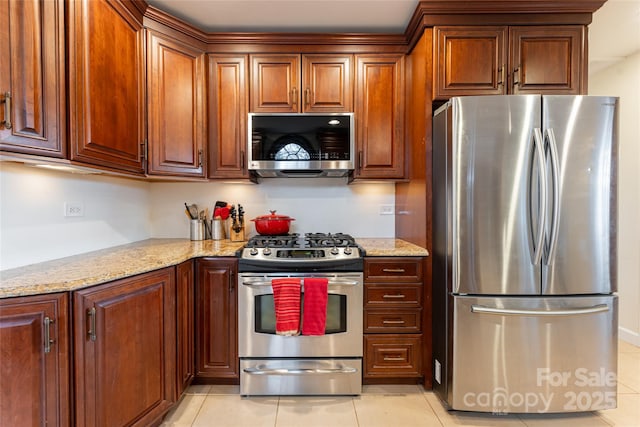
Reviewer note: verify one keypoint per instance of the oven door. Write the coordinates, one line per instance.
(256, 319)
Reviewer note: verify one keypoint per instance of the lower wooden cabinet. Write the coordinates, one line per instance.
(185, 326)
(393, 341)
(34, 361)
(217, 321)
(124, 336)
(393, 356)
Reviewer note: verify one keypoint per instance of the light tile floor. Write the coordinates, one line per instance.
(389, 406)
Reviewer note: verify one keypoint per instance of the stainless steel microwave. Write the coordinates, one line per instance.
(303, 145)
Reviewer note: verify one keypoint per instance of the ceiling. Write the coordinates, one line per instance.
(613, 35)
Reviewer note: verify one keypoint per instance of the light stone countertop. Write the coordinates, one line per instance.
(93, 268)
(390, 247)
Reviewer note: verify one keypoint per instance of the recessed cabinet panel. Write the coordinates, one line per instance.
(124, 335)
(32, 77)
(106, 90)
(228, 102)
(484, 60)
(327, 84)
(176, 108)
(472, 62)
(275, 83)
(379, 116)
(217, 320)
(547, 60)
(34, 361)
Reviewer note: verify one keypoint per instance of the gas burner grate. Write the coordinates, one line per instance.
(329, 240)
(284, 241)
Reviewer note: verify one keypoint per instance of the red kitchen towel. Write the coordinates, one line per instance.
(286, 301)
(314, 314)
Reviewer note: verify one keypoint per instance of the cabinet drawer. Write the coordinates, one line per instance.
(398, 321)
(393, 296)
(392, 356)
(393, 269)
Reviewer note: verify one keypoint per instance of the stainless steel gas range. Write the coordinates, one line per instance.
(330, 363)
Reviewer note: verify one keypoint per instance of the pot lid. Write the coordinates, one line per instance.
(273, 217)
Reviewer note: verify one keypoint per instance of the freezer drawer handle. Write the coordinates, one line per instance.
(299, 371)
(600, 308)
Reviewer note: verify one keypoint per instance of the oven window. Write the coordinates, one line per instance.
(265, 316)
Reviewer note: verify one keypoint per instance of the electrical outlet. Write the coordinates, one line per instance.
(386, 210)
(73, 209)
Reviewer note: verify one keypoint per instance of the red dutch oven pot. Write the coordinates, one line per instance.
(272, 225)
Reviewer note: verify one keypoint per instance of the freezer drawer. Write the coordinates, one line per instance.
(534, 354)
(300, 376)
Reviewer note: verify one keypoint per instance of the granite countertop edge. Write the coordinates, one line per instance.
(106, 265)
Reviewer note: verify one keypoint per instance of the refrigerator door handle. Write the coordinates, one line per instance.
(555, 182)
(542, 210)
(600, 308)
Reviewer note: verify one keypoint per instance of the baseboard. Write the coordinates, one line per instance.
(629, 336)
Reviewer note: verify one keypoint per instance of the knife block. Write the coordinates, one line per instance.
(237, 236)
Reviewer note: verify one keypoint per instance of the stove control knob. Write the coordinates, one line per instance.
(266, 251)
(335, 251)
(253, 251)
(347, 251)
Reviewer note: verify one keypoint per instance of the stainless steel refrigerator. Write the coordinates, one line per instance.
(524, 267)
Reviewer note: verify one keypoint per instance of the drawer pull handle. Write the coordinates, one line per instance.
(393, 359)
(91, 315)
(393, 270)
(7, 111)
(393, 322)
(398, 296)
(47, 335)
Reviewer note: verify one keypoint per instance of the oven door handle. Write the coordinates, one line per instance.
(331, 283)
(300, 371)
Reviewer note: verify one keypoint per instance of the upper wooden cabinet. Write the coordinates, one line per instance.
(485, 60)
(34, 368)
(176, 107)
(32, 77)
(282, 83)
(379, 114)
(548, 60)
(106, 90)
(228, 103)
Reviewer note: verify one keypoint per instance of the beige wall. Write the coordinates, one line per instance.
(623, 80)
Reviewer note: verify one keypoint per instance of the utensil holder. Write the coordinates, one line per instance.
(217, 229)
(196, 229)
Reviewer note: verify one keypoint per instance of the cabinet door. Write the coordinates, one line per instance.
(106, 90)
(326, 83)
(124, 334)
(34, 368)
(275, 83)
(185, 335)
(216, 319)
(176, 107)
(548, 60)
(379, 116)
(470, 61)
(32, 76)
(228, 116)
